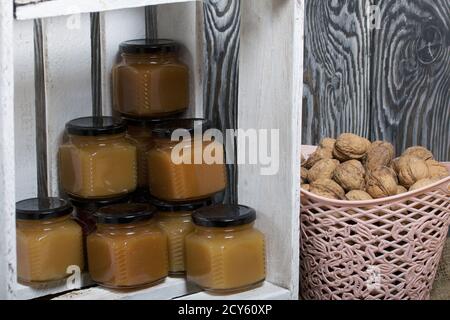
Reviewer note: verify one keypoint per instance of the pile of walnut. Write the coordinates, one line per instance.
(353, 168)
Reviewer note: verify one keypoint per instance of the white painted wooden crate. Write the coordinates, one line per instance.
(270, 97)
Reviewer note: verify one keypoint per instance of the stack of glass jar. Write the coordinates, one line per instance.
(135, 181)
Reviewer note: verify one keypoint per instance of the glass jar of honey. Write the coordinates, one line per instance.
(189, 169)
(150, 81)
(49, 242)
(128, 250)
(225, 253)
(139, 133)
(97, 161)
(176, 222)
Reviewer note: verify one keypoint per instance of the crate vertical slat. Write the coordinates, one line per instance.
(7, 162)
(151, 22)
(188, 31)
(68, 81)
(24, 111)
(222, 20)
(116, 27)
(270, 97)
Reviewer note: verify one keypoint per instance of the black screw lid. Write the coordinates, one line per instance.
(222, 216)
(96, 126)
(142, 122)
(177, 207)
(165, 129)
(92, 204)
(42, 209)
(143, 46)
(124, 213)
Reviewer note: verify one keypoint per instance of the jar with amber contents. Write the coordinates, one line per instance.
(225, 253)
(128, 250)
(189, 169)
(97, 161)
(150, 81)
(139, 133)
(49, 242)
(176, 222)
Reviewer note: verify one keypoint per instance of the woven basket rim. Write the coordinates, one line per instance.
(443, 184)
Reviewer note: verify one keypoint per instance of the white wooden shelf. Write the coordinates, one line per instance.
(176, 289)
(32, 9)
(267, 291)
(171, 288)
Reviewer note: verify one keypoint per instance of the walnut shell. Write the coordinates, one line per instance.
(350, 146)
(401, 189)
(327, 188)
(304, 175)
(381, 182)
(437, 169)
(323, 169)
(350, 175)
(306, 187)
(412, 169)
(327, 143)
(423, 183)
(318, 155)
(419, 152)
(358, 195)
(302, 160)
(380, 154)
(394, 164)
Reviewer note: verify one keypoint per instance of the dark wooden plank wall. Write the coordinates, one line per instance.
(392, 83)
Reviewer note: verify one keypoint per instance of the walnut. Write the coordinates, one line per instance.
(401, 189)
(412, 169)
(306, 187)
(380, 154)
(394, 164)
(423, 183)
(419, 152)
(318, 155)
(350, 175)
(302, 160)
(381, 182)
(437, 169)
(327, 143)
(327, 188)
(350, 146)
(358, 195)
(323, 169)
(304, 175)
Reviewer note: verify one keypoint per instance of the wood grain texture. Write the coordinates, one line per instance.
(7, 162)
(336, 74)
(151, 22)
(96, 64)
(221, 39)
(270, 97)
(41, 110)
(411, 75)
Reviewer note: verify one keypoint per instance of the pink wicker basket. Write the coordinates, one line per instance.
(379, 249)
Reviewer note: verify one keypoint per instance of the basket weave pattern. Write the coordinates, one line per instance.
(380, 249)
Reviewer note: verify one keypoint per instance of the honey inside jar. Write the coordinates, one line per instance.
(176, 222)
(190, 177)
(48, 241)
(150, 81)
(225, 253)
(128, 250)
(139, 132)
(98, 161)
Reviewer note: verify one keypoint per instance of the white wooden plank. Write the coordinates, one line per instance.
(270, 97)
(169, 289)
(68, 82)
(55, 8)
(7, 162)
(188, 30)
(24, 101)
(267, 291)
(116, 27)
(25, 293)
